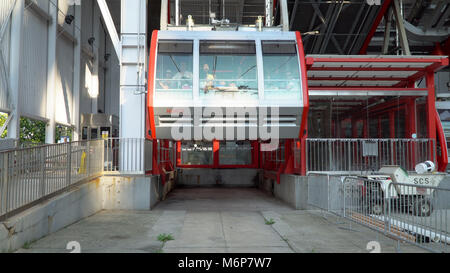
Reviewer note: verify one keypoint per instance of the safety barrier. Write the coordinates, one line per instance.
(127, 155)
(31, 174)
(271, 160)
(415, 213)
(325, 192)
(363, 155)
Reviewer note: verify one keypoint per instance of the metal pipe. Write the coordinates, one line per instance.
(284, 15)
(269, 13)
(177, 12)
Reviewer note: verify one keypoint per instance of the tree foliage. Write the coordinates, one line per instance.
(63, 131)
(3, 118)
(32, 130)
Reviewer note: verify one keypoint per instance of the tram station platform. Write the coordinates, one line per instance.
(218, 220)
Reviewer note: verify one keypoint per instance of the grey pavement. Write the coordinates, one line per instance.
(219, 220)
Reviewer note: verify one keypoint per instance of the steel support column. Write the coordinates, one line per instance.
(76, 73)
(284, 15)
(164, 14)
(95, 64)
(51, 74)
(132, 72)
(431, 110)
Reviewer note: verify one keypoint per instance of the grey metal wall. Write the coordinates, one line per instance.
(112, 80)
(34, 61)
(64, 81)
(33, 75)
(5, 9)
(109, 68)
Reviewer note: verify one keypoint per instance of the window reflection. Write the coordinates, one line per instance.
(281, 70)
(235, 153)
(228, 69)
(196, 153)
(174, 70)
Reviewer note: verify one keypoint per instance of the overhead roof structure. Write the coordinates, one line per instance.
(372, 75)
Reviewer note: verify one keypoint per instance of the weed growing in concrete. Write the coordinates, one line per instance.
(270, 221)
(27, 245)
(165, 237)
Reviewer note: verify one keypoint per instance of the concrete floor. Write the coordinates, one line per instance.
(223, 220)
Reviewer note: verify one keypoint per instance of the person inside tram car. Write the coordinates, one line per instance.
(207, 79)
(166, 83)
(183, 76)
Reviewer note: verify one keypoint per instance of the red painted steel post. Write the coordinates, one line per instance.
(431, 112)
(365, 128)
(155, 165)
(255, 154)
(411, 116)
(216, 147)
(303, 151)
(392, 123)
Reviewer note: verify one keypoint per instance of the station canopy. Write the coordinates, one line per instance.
(369, 75)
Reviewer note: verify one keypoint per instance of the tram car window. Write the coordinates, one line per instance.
(228, 68)
(281, 70)
(174, 69)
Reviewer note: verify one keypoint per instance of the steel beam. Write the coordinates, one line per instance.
(284, 15)
(377, 21)
(387, 31)
(164, 15)
(107, 18)
(436, 14)
(415, 9)
(334, 18)
(355, 22)
(444, 17)
(401, 28)
(324, 26)
(268, 11)
(293, 14)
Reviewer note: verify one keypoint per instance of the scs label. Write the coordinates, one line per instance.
(422, 180)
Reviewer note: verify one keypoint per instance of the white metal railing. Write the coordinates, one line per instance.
(31, 174)
(128, 155)
(362, 155)
(414, 213)
(417, 214)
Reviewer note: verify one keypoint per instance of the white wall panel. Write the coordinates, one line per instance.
(112, 82)
(86, 21)
(4, 46)
(103, 67)
(33, 81)
(86, 83)
(64, 81)
(43, 4)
